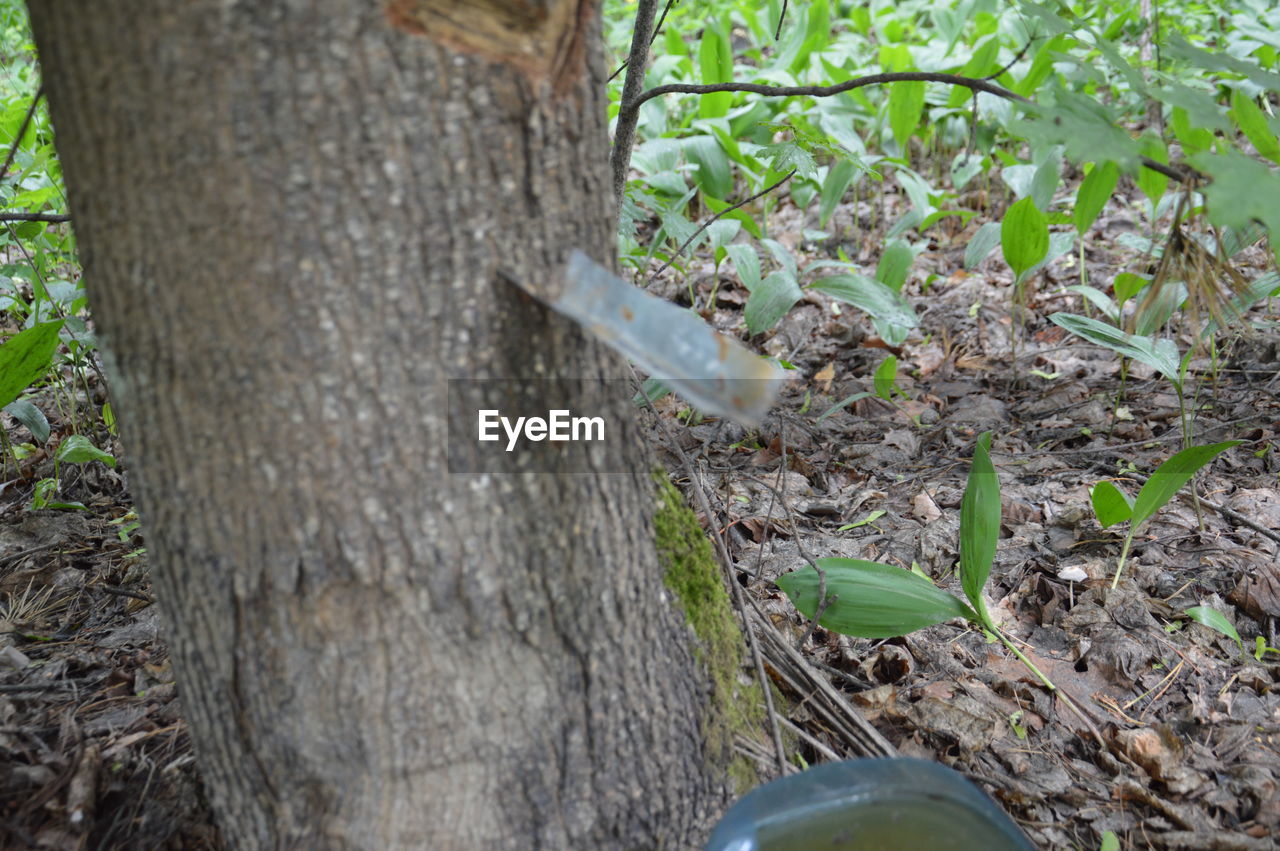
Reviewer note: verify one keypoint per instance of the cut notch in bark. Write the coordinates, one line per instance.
(542, 38)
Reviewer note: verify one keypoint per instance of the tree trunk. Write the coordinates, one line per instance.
(292, 217)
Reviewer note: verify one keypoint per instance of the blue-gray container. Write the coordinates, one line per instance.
(868, 805)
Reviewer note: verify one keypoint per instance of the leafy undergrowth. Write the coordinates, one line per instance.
(1192, 751)
(92, 737)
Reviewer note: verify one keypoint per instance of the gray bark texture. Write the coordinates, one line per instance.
(292, 216)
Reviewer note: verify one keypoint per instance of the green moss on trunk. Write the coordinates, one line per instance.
(692, 574)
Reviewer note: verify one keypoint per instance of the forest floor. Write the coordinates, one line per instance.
(97, 751)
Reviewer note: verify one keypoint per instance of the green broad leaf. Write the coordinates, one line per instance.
(1191, 136)
(1261, 287)
(1041, 66)
(911, 219)
(1152, 315)
(31, 417)
(24, 357)
(1235, 240)
(715, 64)
(714, 175)
(965, 166)
(786, 156)
(872, 600)
(1153, 183)
(906, 100)
(723, 231)
(1110, 504)
(979, 524)
(885, 376)
(982, 244)
(771, 300)
(918, 191)
(748, 223)
(1024, 236)
(1099, 300)
(981, 63)
(839, 176)
(893, 335)
(77, 449)
(1170, 476)
(894, 264)
(1215, 620)
(1160, 355)
(1046, 178)
(679, 229)
(66, 506)
(1126, 285)
(1201, 108)
(1089, 130)
(1176, 47)
(1019, 178)
(1095, 190)
(1242, 190)
(782, 256)
(747, 263)
(870, 296)
(1253, 123)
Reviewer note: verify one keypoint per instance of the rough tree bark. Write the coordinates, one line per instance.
(292, 216)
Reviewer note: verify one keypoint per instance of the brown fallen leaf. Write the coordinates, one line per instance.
(1258, 594)
(923, 507)
(823, 377)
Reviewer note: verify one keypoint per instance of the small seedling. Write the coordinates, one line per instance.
(872, 600)
(885, 381)
(870, 518)
(76, 449)
(1112, 505)
(1215, 620)
(1261, 649)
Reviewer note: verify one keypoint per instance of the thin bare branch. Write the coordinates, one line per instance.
(709, 221)
(35, 217)
(22, 131)
(652, 38)
(631, 107)
(624, 133)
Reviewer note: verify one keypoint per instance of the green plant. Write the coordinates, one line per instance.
(873, 600)
(1215, 620)
(76, 449)
(773, 295)
(744, 94)
(1112, 505)
(885, 381)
